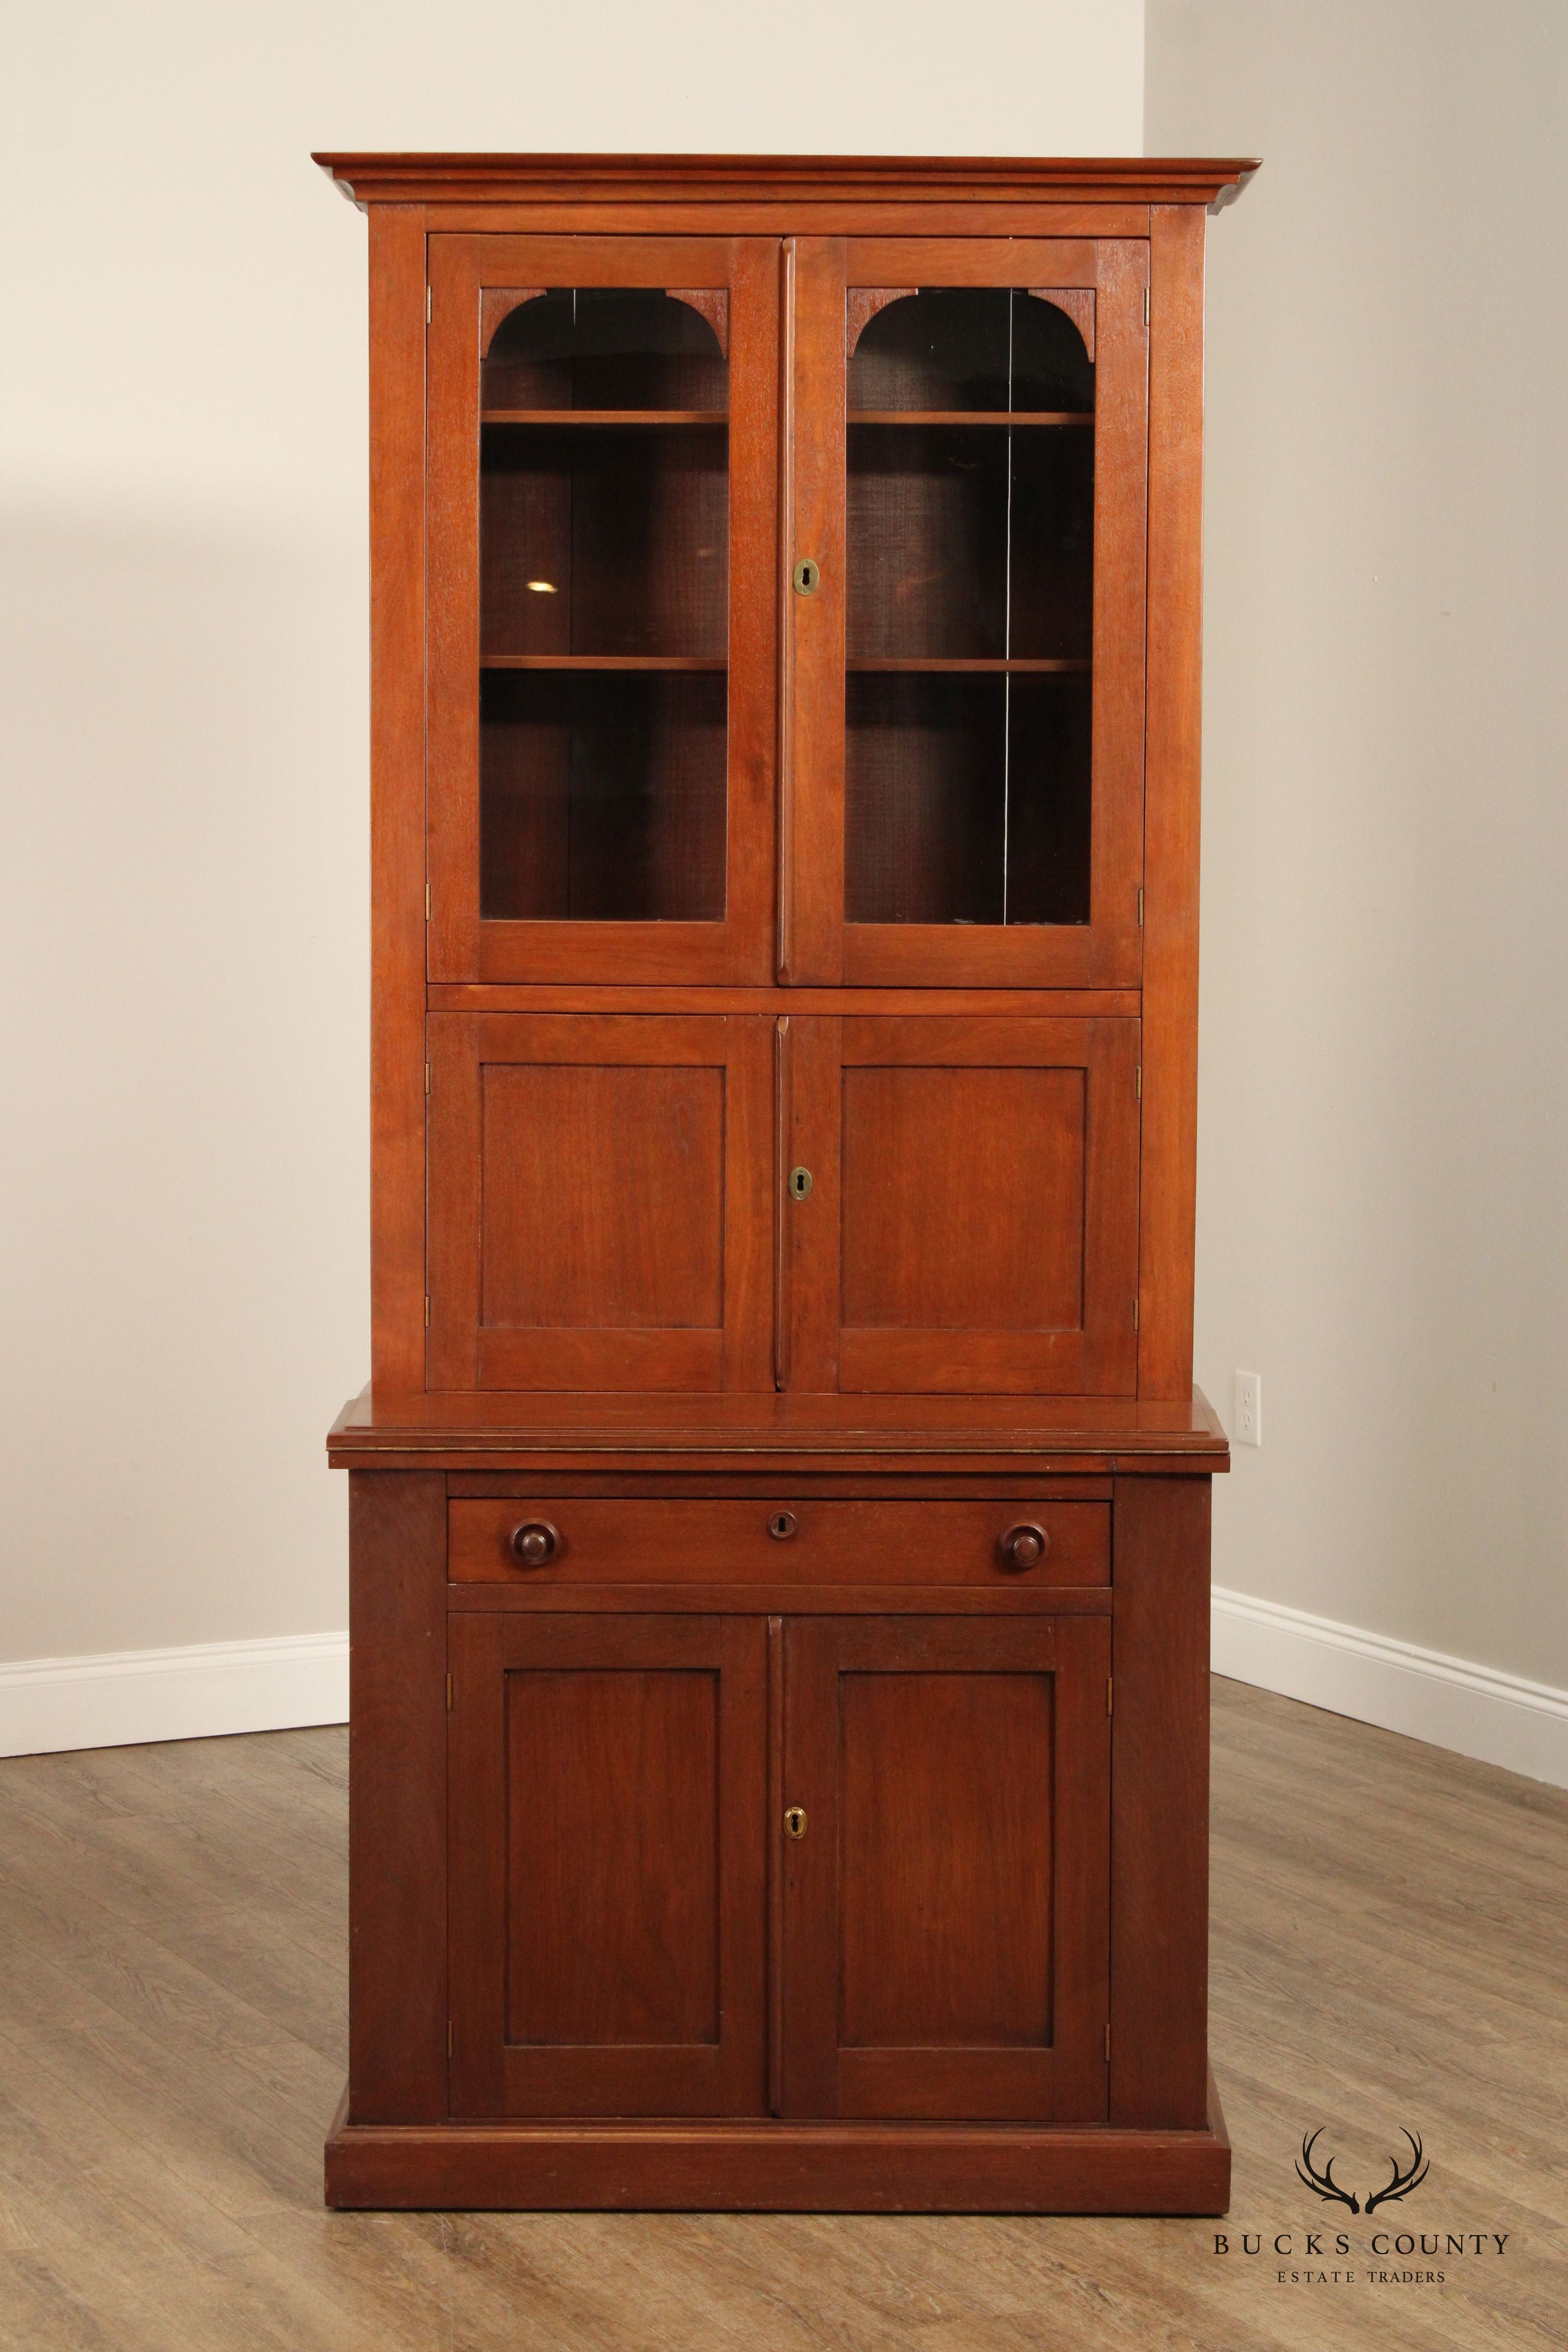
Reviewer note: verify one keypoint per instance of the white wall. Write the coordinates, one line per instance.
(182, 491)
(1385, 860)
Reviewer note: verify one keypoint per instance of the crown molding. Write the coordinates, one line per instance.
(741, 179)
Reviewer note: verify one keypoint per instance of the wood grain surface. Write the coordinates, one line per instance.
(1390, 1929)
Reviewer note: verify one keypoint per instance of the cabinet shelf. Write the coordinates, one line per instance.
(632, 661)
(604, 417)
(916, 665)
(970, 416)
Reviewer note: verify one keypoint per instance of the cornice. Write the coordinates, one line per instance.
(759, 179)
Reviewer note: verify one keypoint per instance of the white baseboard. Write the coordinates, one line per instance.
(214, 1689)
(203, 1692)
(1473, 1711)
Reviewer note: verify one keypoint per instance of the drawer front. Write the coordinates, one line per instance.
(581, 1540)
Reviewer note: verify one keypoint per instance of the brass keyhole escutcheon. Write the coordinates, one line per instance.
(807, 577)
(799, 1184)
(782, 1526)
(794, 1821)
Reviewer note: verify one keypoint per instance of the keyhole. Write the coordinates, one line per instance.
(794, 1821)
(807, 577)
(799, 1184)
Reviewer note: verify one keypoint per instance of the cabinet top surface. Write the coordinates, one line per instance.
(484, 1426)
(433, 179)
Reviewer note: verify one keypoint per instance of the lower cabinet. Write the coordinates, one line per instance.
(822, 1866)
(946, 1913)
(607, 1889)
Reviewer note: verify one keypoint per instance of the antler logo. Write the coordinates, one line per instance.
(1401, 2183)
(1323, 2184)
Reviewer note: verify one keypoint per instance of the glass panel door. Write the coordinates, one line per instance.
(979, 612)
(594, 438)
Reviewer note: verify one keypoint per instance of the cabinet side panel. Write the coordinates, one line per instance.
(397, 796)
(1159, 1820)
(398, 1797)
(1171, 803)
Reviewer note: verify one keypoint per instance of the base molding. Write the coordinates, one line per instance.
(772, 2167)
(1453, 1703)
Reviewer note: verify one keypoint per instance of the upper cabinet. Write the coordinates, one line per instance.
(603, 440)
(786, 610)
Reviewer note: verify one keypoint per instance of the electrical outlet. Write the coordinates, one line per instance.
(1249, 1408)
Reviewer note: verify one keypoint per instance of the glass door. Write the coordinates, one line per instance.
(965, 635)
(602, 418)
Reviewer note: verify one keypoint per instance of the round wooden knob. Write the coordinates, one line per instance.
(1023, 1545)
(783, 1525)
(534, 1542)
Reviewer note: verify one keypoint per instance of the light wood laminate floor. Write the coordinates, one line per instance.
(1389, 1951)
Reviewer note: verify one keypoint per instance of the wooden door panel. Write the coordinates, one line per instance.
(612, 1940)
(933, 1155)
(958, 811)
(602, 1250)
(607, 1858)
(976, 1227)
(946, 1910)
(599, 1201)
(601, 712)
(965, 1851)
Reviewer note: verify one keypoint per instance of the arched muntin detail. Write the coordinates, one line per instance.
(861, 304)
(498, 303)
(605, 347)
(956, 346)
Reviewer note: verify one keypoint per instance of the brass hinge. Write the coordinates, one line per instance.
(429, 299)
(427, 1079)
(1110, 1680)
(1107, 2042)
(427, 902)
(1134, 1310)
(1140, 909)
(427, 1310)
(1145, 306)
(448, 1693)
(449, 2039)
(1137, 1080)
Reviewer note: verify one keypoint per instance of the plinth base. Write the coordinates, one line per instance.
(767, 2167)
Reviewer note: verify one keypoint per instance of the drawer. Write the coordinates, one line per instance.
(583, 1540)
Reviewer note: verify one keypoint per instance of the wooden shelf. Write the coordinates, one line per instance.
(604, 417)
(610, 661)
(970, 416)
(917, 668)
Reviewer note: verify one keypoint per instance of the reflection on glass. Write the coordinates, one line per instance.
(604, 563)
(971, 552)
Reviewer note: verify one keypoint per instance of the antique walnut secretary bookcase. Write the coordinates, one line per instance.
(780, 1509)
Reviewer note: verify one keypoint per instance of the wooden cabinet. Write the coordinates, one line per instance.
(607, 1793)
(600, 1201)
(779, 1552)
(945, 1914)
(972, 1221)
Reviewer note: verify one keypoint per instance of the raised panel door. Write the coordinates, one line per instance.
(606, 1842)
(599, 1200)
(971, 1223)
(945, 1867)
